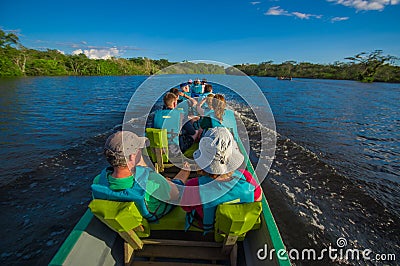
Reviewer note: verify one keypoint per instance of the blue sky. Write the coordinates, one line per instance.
(232, 32)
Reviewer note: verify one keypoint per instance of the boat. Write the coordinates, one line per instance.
(96, 240)
(284, 78)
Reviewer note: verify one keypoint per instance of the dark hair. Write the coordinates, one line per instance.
(208, 88)
(169, 98)
(114, 159)
(174, 91)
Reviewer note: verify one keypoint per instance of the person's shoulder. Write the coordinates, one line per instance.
(96, 180)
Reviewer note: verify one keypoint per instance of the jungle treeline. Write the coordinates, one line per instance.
(361, 71)
(17, 61)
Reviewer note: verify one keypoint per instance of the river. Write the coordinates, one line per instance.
(336, 171)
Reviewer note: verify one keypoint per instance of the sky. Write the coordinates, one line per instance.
(231, 32)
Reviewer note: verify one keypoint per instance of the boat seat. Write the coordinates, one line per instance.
(125, 219)
(158, 149)
(234, 220)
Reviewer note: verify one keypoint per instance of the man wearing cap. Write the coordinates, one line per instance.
(184, 94)
(221, 179)
(129, 179)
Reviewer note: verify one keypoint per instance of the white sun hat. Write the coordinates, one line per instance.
(218, 152)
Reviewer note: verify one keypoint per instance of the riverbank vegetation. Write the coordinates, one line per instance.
(365, 67)
(17, 60)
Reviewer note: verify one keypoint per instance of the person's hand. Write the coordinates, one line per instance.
(194, 118)
(186, 166)
(181, 93)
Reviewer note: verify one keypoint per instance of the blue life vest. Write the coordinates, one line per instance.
(170, 120)
(196, 90)
(223, 191)
(135, 194)
(228, 121)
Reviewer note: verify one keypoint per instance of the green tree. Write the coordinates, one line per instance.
(8, 39)
(370, 62)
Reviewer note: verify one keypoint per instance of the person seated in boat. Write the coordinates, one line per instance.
(203, 83)
(128, 178)
(205, 106)
(171, 119)
(220, 180)
(184, 94)
(185, 102)
(208, 89)
(196, 88)
(220, 116)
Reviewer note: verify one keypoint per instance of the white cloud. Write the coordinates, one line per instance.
(76, 52)
(61, 52)
(276, 11)
(335, 19)
(301, 15)
(366, 4)
(255, 3)
(305, 16)
(98, 53)
(102, 53)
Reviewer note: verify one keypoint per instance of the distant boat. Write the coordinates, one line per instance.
(284, 78)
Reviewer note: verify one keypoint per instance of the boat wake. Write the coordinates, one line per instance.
(314, 204)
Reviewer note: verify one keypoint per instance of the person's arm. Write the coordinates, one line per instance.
(199, 108)
(193, 101)
(184, 173)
